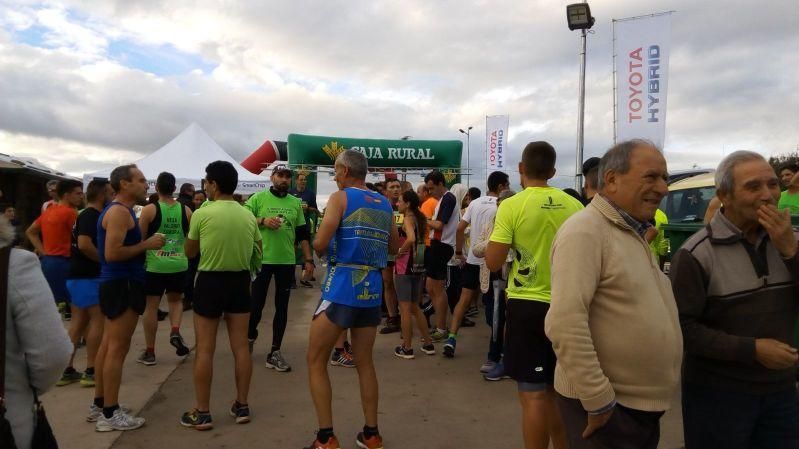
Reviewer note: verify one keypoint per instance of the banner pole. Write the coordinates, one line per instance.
(485, 160)
(615, 92)
(578, 172)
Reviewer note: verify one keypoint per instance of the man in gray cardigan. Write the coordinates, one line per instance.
(37, 346)
(735, 282)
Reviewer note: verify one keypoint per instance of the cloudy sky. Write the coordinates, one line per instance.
(89, 84)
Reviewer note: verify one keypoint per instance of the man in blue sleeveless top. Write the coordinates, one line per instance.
(357, 235)
(120, 249)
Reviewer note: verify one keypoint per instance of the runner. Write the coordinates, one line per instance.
(226, 237)
(527, 223)
(83, 283)
(281, 222)
(409, 269)
(120, 249)
(442, 242)
(393, 190)
(357, 234)
(479, 214)
(166, 267)
(55, 245)
(311, 211)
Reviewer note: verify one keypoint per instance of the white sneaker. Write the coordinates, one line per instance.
(96, 412)
(120, 421)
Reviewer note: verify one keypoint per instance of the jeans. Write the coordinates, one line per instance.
(495, 348)
(260, 286)
(716, 418)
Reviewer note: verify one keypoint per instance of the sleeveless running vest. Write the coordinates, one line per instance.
(359, 251)
(171, 258)
(412, 263)
(132, 269)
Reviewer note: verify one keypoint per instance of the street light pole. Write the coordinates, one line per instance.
(468, 153)
(578, 178)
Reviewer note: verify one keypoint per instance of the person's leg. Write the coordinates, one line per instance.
(282, 294)
(150, 322)
(535, 429)
(175, 302)
(777, 424)
(363, 341)
(99, 363)
(322, 338)
(718, 419)
(467, 296)
(236, 325)
(389, 291)
(77, 327)
(453, 286)
(435, 288)
(205, 336)
(406, 320)
(94, 336)
(119, 330)
(555, 428)
(259, 288)
(421, 324)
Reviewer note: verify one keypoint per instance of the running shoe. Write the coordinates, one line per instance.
(429, 349)
(449, 348)
(67, 314)
(176, 340)
(146, 358)
(120, 421)
(348, 347)
(498, 373)
(306, 284)
(240, 412)
(342, 359)
(472, 312)
(403, 353)
(467, 323)
(96, 412)
(373, 442)
(392, 325)
(438, 335)
(197, 420)
(488, 366)
(276, 362)
(87, 380)
(332, 443)
(69, 376)
(62, 306)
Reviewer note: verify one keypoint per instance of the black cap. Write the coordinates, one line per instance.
(281, 168)
(590, 164)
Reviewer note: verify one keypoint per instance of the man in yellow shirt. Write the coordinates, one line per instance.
(527, 223)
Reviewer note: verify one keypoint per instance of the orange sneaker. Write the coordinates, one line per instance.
(332, 443)
(373, 442)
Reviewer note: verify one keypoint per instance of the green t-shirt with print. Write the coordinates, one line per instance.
(528, 221)
(790, 201)
(278, 244)
(228, 236)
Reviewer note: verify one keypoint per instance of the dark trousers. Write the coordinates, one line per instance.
(626, 428)
(715, 418)
(260, 286)
(453, 286)
(191, 274)
(495, 348)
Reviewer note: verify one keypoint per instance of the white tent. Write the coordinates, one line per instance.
(186, 157)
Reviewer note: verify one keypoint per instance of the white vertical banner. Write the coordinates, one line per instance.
(496, 142)
(641, 51)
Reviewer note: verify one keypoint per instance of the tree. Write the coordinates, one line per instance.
(781, 160)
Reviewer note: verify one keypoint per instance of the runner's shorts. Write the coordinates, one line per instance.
(155, 284)
(470, 276)
(436, 258)
(409, 287)
(119, 295)
(349, 317)
(218, 292)
(529, 357)
(56, 269)
(84, 293)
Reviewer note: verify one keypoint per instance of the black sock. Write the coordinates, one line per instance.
(98, 402)
(324, 434)
(69, 369)
(370, 431)
(339, 350)
(90, 371)
(108, 412)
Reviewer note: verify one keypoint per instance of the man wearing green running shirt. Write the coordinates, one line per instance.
(282, 222)
(527, 223)
(789, 198)
(166, 267)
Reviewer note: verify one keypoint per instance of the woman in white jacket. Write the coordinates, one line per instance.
(37, 345)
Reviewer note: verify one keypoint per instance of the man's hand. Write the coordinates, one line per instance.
(157, 241)
(304, 207)
(460, 259)
(778, 225)
(651, 233)
(273, 223)
(775, 354)
(596, 422)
